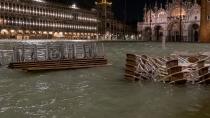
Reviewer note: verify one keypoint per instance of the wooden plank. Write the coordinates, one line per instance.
(64, 68)
(57, 64)
(179, 82)
(206, 81)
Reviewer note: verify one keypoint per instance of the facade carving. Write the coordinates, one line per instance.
(177, 22)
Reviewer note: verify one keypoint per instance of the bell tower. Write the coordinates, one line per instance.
(205, 21)
(105, 15)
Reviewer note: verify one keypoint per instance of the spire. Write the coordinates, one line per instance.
(195, 2)
(156, 6)
(145, 7)
(145, 12)
(161, 6)
(167, 4)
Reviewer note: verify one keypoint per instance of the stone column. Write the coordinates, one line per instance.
(205, 22)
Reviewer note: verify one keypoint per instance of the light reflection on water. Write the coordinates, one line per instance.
(102, 92)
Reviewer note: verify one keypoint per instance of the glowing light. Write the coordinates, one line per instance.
(74, 6)
(178, 11)
(39, 0)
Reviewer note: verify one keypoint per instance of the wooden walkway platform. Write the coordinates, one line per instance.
(59, 64)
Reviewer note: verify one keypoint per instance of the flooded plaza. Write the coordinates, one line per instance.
(102, 92)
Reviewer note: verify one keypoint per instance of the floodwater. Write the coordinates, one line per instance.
(102, 92)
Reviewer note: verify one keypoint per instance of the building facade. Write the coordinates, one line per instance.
(37, 19)
(34, 20)
(177, 21)
(205, 21)
(109, 26)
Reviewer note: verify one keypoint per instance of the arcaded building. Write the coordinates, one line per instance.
(176, 22)
(24, 19)
(38, 19)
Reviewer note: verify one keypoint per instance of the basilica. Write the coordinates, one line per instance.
(177, 21)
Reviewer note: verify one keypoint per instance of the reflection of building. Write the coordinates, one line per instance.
(205, 21)
(178, 21)
(36, 19)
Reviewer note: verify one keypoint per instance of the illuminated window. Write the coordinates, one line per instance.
(177, 12)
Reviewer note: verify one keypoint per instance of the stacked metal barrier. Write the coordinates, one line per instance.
(65, 55)
(172, 69)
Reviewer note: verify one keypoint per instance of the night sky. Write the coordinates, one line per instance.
(134, 9)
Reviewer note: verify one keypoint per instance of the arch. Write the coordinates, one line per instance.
(27, 32)
(148, 33)
(161, 14)
(58, 35)
(20, 32)
(174, 33)
(150, 16)
(45, 32)
(13, 32)
(158, 32)
(34, 32)
(178, 11)
(193, 32)
(4, 32)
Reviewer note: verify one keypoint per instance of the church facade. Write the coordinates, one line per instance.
(175, 22)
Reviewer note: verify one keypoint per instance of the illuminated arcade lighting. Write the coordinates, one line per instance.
(39, 0)
(45, 24)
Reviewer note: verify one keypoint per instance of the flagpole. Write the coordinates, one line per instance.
(180, 38)
(150, 19)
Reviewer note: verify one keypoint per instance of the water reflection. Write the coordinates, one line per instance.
(102, 92)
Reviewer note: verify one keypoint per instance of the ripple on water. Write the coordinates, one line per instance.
(4, 109)
(193, 109)
(41, 86)
(1, 99)
(101, 92)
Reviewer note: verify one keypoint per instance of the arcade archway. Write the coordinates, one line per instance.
(193, 35)
(148, 34)
(175, 32)
(158, 33)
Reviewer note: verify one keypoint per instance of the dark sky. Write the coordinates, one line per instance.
(134, 7)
